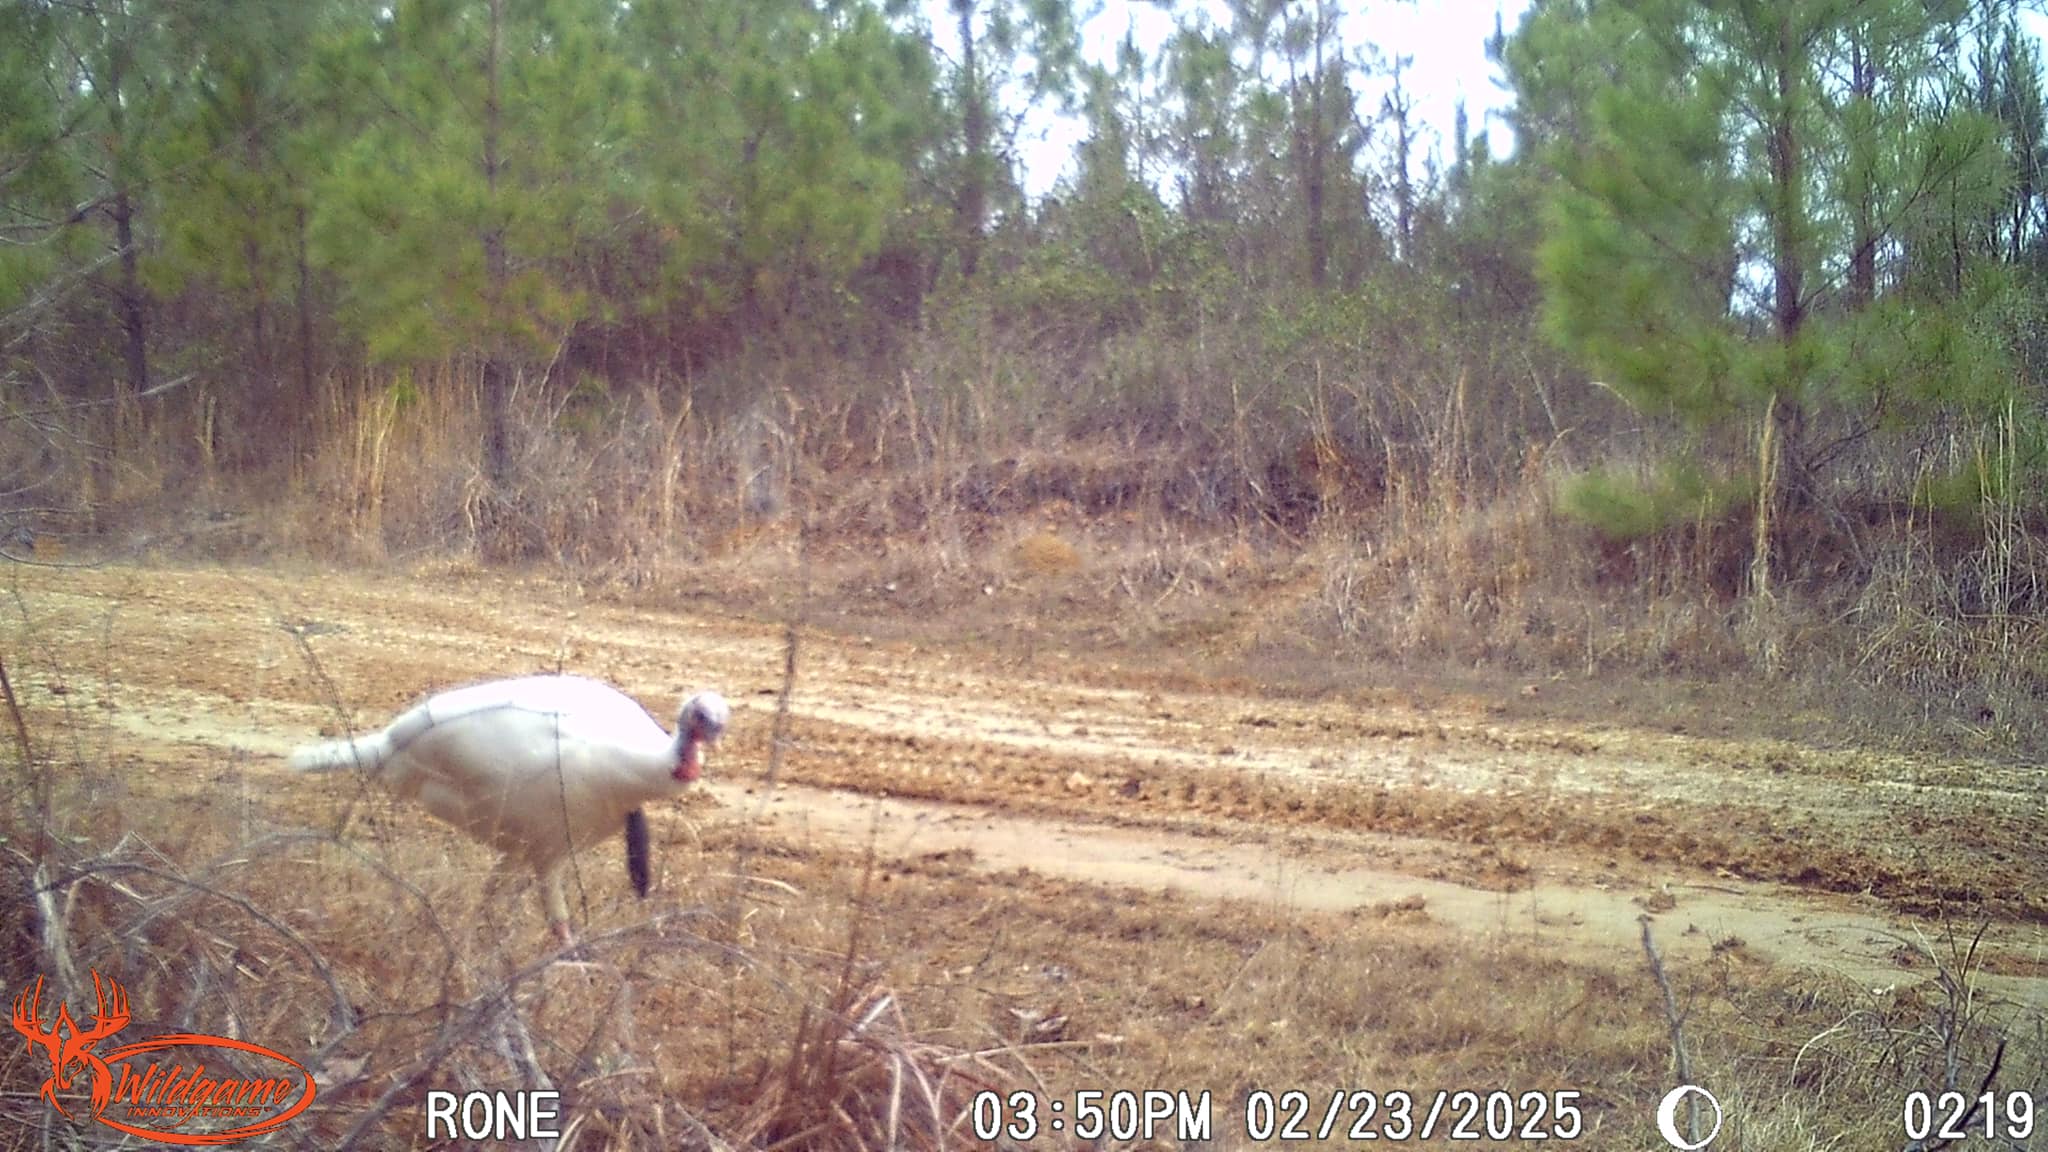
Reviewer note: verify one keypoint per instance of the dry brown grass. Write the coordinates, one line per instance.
(1045, 553)
(774, 995)
(1391, 522)
(826, 1001)
(352, 932)
(859, 1006)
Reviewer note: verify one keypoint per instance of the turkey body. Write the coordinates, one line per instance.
(538, 767)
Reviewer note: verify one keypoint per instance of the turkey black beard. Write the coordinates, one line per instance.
(636, 850)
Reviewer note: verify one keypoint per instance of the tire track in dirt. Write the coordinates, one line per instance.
(204, 657)
(1312, 875)
(1592, 923)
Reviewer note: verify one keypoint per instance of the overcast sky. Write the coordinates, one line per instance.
(1447, 39)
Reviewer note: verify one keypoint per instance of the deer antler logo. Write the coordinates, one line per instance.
(68, 1045)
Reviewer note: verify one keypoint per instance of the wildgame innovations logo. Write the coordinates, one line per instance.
(161, 1088)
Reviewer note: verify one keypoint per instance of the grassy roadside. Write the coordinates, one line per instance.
(824, 999)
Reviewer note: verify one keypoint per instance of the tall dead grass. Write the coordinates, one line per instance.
(1339, 480)
(837, 1005)
(843, 1014)
(354, 936)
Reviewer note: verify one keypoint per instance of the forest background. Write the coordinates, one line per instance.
(1732, 367)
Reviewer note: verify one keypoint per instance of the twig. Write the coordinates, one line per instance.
(343, 1013)
(468, 1021)
(1682, 1065)
(54, 932)
(514, 1044)
(778, 742)
(1976, 1105)
(28, 766)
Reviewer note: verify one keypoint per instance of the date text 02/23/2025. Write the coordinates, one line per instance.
(1354, 1114)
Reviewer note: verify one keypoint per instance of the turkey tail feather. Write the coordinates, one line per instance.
(365, 752)
(636, 850)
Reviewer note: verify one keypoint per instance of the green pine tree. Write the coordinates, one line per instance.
(1749, 215)
(494, 141)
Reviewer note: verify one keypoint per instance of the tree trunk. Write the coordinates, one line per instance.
(1317, 161)
(270, 407)
(134, 353)
(129, 298)
(972, 209)
(1309, 140)
(496, 393)
(1863, 250)
(262, 382)
(304, 304)
(1404, 186)
(1787, 487)
(497, 450)
(134, 323)
(128, 294)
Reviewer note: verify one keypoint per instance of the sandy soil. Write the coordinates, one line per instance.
(1823, 857)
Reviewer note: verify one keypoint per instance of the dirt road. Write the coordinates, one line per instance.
(1824, 857)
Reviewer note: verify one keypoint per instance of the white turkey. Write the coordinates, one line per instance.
(537, 767)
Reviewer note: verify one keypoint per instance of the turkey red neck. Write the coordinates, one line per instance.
(690, 759)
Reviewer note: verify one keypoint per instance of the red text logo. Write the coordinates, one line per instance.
(184, 1104)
